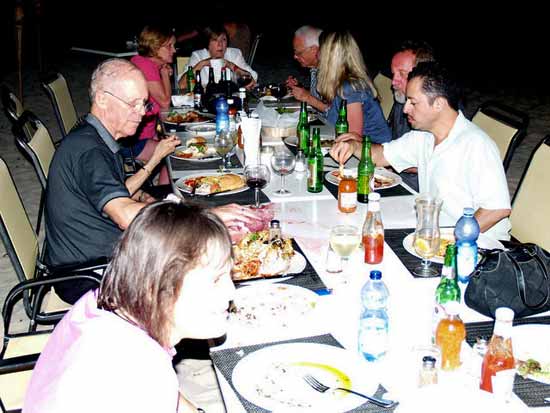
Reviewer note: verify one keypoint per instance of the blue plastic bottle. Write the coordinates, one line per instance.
(222, 115)
(466, 234)
(374, 322)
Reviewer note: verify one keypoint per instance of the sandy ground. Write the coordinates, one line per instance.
(77, 69)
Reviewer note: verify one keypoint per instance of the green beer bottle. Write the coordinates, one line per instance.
(315, 163)
(342, 125)
(303, 129)
(365, 172)
(190, 79)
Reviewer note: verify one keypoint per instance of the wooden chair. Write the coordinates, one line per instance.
(505, 125)
(385, 93)
(22, 247)
(531, 202)
(62, 101)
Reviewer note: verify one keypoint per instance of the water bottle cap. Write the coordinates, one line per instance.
(469, 212)
(504, 314)
(374, 196)
(375, 275)
(275, 223)
(429, 360)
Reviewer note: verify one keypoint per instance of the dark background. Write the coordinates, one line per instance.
(501, 47)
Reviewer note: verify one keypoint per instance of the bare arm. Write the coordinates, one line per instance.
(489, 217)
(349, 144)
(122, 211)
(355, 117)
(162, 91)
(303, 95)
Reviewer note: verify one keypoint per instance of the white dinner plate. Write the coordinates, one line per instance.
(205, 129)
(378, 172)
(273, 307)
(211, 158)
(293, 141)
(297, 265)
(533, 341)
(164, 114)
(272, 378)
(186, 189)
(483, 241)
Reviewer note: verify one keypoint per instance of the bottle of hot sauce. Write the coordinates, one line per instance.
(347, 193)
(373, 231)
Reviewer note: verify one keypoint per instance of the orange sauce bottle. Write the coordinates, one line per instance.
(347, 193)
(449, 336)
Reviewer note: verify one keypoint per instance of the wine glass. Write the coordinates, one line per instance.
(224, 143)
(257, 177)
(426, 236)
(244, 80)
(278, 91)
(344, 240)
(283, 163)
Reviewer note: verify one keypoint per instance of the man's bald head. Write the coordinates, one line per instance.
(111, 73)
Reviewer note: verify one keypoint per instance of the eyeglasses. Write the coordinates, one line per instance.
(301, 52)
(147, 106)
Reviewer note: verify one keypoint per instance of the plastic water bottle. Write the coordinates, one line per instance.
(222, 115)
(374, 322)
(466, 234)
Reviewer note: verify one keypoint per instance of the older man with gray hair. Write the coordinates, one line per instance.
(306, 52)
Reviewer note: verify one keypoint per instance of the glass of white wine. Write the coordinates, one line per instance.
(427, 235)
(223, 143)
(344, 240)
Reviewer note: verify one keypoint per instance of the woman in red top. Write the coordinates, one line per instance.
(156, 51)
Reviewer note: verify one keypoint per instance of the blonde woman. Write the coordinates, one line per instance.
(343, 75)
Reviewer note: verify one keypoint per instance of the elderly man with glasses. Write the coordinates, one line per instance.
(88, 201)
(306, 52)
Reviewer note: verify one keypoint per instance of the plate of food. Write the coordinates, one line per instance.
(272, 307)
(531, 343)
(196, 150)
(383, 179)
(447, 237)
(186, 117)
(326, 143)
(204, 129)
(272, 378)
(258, 257)
(211, 184)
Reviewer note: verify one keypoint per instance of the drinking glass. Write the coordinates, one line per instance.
(426, 236)
(278, 92)
(257, 177)
(223, 143)
(344, 240)
(244, 80)
(283, 164)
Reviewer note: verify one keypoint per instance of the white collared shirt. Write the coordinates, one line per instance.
(465, 170)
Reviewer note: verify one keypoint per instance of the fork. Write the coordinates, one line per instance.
(321, 388)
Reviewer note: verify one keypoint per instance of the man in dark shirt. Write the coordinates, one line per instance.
(88, 202)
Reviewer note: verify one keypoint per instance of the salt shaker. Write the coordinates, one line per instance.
(274, 230)
(428, 372)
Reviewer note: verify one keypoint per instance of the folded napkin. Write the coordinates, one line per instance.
(273, 119)
(251, 135)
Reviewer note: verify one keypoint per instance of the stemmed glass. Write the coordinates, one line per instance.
(283, 163)
(344, 240)
(223, 143)
(278, 91)
(244, 80)
(426, 236)
(257, 177)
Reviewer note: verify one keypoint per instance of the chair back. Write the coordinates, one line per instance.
(39, 149)
(254, 49)
(531, 203)
(505, 125)
(62, 102)
(385, 93)
(14, 109)
(16, 231)
(181, 65)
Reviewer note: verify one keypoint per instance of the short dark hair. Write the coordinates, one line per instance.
(437, 81)
(421, 49)
(164, 242)
(213, 32)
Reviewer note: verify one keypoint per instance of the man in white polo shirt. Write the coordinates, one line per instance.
(456, 160)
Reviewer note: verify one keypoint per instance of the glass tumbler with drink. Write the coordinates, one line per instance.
(283, 164)
(426, 235)
(257, 177)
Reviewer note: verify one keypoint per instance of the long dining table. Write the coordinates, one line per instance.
(307, 219)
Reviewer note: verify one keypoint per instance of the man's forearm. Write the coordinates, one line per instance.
(316, 103)
(487, 218)
(134, 183)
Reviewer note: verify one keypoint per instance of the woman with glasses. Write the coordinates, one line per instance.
(343, 75)
(155, 54)
(169, 279)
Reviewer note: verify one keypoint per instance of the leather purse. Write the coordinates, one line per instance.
(517, 278)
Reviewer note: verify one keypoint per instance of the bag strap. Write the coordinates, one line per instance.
(520, 278)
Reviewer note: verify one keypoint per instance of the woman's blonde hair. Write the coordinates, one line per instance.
(340, 60)
(151, 39)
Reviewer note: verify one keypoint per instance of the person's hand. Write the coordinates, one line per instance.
(232, 214)
(299, 93)
(291, 81)
(343, 150)
(146, 198)
(251, 85)
(350, 136)
(166, 70)
(165, 147)
(201, 64)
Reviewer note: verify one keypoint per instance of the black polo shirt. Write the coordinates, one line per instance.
(86, 173)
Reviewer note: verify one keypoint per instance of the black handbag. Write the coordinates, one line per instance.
(517, 278)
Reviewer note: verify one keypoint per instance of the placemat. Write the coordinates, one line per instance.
(181, 165)
(226, 360)
(393, 191)
(394, 238)
(531, 392)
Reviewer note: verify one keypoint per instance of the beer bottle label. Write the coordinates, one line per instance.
(312, 175)
(363, 184)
